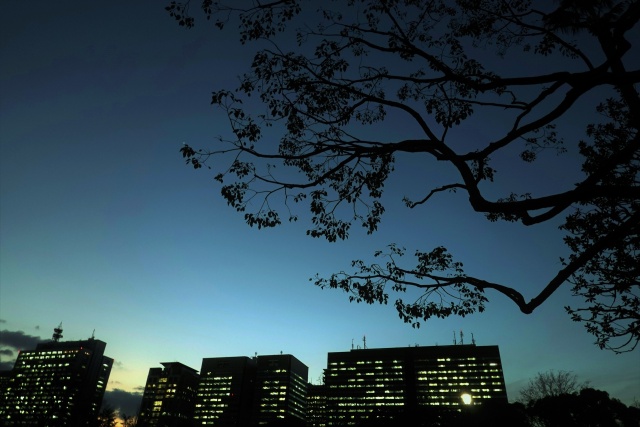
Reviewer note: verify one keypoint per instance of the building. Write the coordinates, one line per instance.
(169, 396)
(243, 391)
(396, 382)
(60, 383)
(280, 390)
(225, 392)
(316, 405)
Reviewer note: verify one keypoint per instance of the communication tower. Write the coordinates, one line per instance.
(57, 333)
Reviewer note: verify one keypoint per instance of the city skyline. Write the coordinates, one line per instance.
(133, 397)
(104, 228)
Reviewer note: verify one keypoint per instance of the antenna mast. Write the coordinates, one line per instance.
(473, 340)
(57, 333)
(454, 338)
(461, 337)
(364, 342)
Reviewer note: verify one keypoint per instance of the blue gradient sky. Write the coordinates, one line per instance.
(103, 227)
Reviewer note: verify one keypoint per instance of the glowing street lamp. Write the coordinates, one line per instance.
(466, 398)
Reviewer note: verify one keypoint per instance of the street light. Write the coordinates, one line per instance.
(466, 398)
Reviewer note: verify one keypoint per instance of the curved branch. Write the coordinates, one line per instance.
(580, 260)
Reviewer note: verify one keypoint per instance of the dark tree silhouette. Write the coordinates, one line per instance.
(107, 417)
(588, 408)
(129, 421)
(550, 383)
(438, 63)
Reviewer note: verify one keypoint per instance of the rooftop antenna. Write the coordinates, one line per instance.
(473, 340)
(93, 335)
(461, 337)
(454, 338)
(57, 333)
(351, 343)
(364, 342)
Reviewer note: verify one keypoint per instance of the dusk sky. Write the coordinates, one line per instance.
(103, 227)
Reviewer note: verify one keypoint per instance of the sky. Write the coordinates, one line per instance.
(104, 229)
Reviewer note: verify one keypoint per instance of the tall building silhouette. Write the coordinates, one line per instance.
(225, 392)
(280, 390)
(259, 391)
(60, 383)
(169, 396)
(316, 405)
(392, 383)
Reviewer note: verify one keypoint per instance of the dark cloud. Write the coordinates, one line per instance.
(6, 365)
(3, 321)
(127, 403)
(19, 340)
(11, 342)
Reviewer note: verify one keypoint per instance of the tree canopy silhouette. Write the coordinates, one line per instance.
(589, 407)
(325, 73)
(550, 383)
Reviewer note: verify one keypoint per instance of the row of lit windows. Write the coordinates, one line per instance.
(378, 379)
(458, 364)
(455, 390)
(351, 408)
(213, 385)
(47, 354)
(378, 397)
(463, 371)
(361, 386)
(436, 384)
(215, 393)
(457, 370)
(386, 391)
(45, 363)
(358, 398)
(219, 378)
(474, 374)
(370, 369)
(417, 361)
(33, 377)
(271, 402)
(448, 359)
